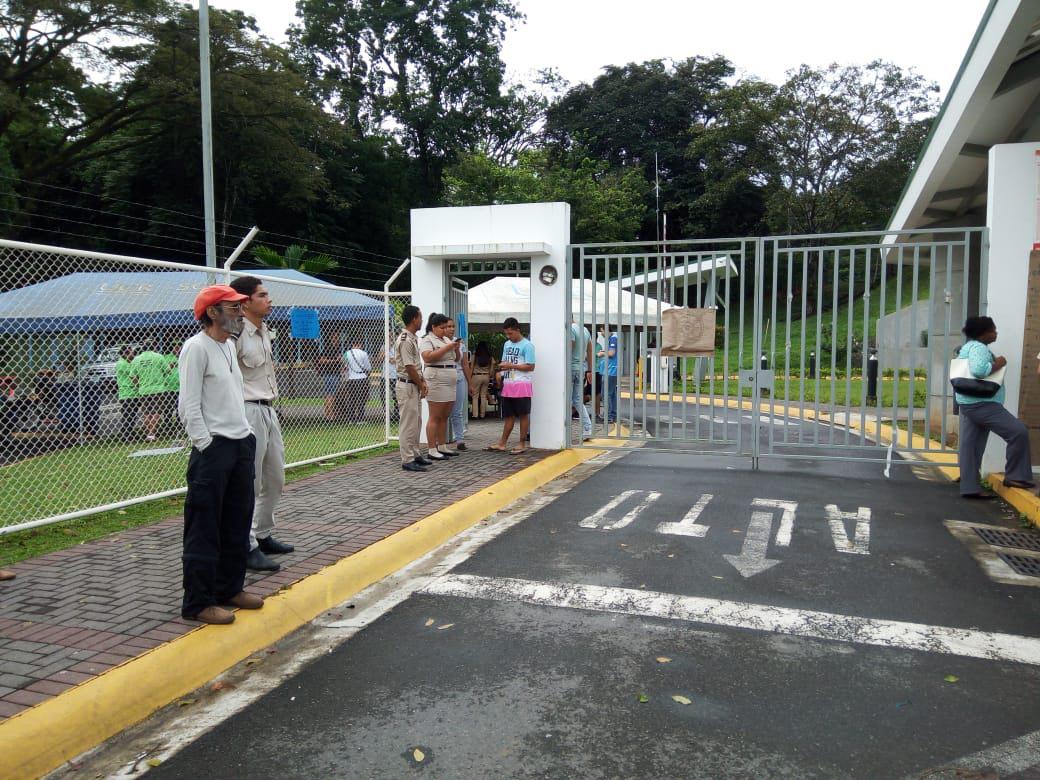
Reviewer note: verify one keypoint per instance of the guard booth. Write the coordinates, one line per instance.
(449, 246)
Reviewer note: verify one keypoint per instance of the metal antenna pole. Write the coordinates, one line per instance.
(657, 196)
(207, 136)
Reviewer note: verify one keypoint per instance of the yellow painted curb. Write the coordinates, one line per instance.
(42, 738)
(1024, 501)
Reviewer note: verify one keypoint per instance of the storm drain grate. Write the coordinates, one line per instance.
(1001, 538)
(1023, 564)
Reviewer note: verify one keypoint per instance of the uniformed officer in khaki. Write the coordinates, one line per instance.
(410, 390)
(260, 390)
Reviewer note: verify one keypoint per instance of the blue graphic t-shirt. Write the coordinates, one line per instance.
(517, 384)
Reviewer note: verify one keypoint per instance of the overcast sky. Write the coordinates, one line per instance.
(761, 37)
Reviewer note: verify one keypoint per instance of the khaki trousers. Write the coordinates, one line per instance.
(269, 477)
(408, 429)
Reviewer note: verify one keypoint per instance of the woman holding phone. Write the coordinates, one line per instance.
(439, 354)
(980, 416)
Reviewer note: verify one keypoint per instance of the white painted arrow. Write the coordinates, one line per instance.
(752, 559)
(836, 518)
(789, 508)
(688, 526)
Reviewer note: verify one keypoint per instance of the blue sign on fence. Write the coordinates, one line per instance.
(463, 327)
(304, 323)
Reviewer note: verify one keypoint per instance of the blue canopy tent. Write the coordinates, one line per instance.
(117, 300)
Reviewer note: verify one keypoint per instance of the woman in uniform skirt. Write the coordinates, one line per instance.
(439, 354)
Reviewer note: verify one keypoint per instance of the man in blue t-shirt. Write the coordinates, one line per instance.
(610, 380)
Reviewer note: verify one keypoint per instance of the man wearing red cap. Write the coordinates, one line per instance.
(218, 510)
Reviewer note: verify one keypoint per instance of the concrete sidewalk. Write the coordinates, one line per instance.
(73, 614)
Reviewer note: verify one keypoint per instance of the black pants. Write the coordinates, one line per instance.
(218, 512)
(129, 409)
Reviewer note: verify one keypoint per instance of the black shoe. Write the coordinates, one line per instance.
(272, 546)
(413, 466)
(979, 496)
(421, 461)
(461, 446)
(1018, 483)
(448, 453)
(257, 561)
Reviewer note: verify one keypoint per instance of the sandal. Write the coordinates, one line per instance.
(518, 450)
(492, 448)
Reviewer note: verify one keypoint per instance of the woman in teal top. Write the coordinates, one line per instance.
(980, 416)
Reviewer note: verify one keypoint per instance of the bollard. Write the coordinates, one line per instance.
(812, 365)
(872, 373)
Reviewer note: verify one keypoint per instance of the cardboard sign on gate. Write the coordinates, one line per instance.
(688, 332)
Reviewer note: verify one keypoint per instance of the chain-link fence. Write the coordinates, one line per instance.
(89, 346)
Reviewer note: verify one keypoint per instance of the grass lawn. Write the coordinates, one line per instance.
(843, 390)
(809, 325)
(39, 541)
(102, 473)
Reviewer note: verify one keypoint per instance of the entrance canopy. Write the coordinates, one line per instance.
(493, 301)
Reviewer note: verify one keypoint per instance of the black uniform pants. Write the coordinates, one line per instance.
(218, 512)
(130, 409)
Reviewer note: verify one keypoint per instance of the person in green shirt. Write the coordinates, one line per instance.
(149, 371)
(129, 398)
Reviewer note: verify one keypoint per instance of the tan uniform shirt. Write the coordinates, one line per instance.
(406, 353)
(256, 359)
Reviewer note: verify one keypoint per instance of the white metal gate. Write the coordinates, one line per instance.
(827, 346)
(458, 305)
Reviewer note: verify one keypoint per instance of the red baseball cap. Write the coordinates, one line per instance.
(214, 294)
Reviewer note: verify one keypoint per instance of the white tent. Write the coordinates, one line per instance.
(508, 296)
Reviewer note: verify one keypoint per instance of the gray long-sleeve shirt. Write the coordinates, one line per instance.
(210, 401)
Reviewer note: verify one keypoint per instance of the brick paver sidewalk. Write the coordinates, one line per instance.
(71, 615)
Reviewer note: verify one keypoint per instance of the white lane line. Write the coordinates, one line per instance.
(783, 534)
(689, 526)
(836, 518)
(635, 512)
(592, 521)
(1007, 758)
(970, 643)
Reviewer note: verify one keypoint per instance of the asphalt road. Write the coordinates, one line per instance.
(566, 681)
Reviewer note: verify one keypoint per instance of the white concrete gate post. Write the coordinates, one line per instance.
(539, 231)
(1012, 221)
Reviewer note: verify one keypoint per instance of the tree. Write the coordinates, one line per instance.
(270, 140)
(53, 112)
(297, 258)
(606, 205)
(827, 128)
(427, 71)
(641, 115)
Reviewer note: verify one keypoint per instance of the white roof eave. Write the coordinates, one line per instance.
(482, 251)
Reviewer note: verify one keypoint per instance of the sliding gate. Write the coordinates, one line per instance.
(826, 346)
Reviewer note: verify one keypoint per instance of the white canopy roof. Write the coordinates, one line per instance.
(508, 296)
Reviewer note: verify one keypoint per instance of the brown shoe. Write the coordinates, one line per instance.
(244, 600)
(6, 575)
(215, 616)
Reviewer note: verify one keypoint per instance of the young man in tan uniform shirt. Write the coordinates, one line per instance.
(410, 389)
(260, 390)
